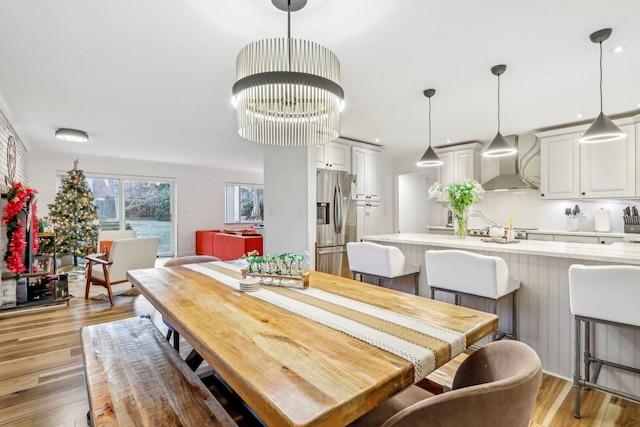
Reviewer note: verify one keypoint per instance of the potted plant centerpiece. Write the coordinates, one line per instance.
(459, 195)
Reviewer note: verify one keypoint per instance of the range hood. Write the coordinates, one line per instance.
(509, 177)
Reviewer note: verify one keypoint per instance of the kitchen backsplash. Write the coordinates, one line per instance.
(529, 211)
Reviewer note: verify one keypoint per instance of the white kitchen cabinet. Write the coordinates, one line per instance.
(333, 156)
(571, 170)
(560, 167)
(606, 240)
(366, 171)
(460, 163)
(535, 236)
(575, 239)
(367, 219)
(607, 169)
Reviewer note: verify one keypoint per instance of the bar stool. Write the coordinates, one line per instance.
(606, 294)
(380, 262)
(466, 273)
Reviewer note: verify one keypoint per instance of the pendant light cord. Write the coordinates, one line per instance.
(289, 31)
(498, 103)
(600, 77)
(429, 123)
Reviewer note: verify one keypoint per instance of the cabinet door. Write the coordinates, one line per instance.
(575, 239)
(607, 169)
(367, 219)
(338, 156)
(534, 236)
(560, 167)
(372, 175)
(321, 156)
(358, 162)
(446, 170)
(463, 165)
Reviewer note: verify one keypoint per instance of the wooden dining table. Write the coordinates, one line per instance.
(291, 370)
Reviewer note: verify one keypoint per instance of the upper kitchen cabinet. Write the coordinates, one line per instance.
(365, 169)
(459, 162)
(334, 156)
(569, 169)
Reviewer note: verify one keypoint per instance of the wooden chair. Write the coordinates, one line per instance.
(380, 262)
(106, 239)
(194, 259)
(467, 273)
(496, 385)
(125, 255)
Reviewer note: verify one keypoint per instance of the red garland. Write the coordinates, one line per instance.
(19, 195)
(17, 246)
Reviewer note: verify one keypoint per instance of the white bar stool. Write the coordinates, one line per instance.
(380, 262)
(466, 273)
(606, 294)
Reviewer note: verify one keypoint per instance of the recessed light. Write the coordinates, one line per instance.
(448, 141)
(618, 49)
(377, 139)
(72, 135)
(579, 115)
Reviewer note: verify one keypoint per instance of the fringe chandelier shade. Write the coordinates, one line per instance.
(288, 92)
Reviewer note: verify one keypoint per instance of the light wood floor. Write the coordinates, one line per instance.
(42, 378)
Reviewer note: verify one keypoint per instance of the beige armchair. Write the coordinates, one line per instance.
(106, 239)
(125, 255)
(496, 385)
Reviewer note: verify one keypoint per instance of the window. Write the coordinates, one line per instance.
(143, 205)
(244, 203)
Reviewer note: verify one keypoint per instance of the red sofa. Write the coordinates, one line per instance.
(227, 246)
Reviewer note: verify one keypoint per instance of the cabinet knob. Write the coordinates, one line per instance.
(583, 193)
(542, 194)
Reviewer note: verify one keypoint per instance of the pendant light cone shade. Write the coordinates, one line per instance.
(430, 157)
(499, 146)
(287, 90)
(602, 129)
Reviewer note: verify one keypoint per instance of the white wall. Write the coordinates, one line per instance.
(200, 191)
(289, 200)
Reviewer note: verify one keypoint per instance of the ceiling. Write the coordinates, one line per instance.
(151, 79)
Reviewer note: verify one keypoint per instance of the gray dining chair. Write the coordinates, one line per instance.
(193, 259)
(496, 385)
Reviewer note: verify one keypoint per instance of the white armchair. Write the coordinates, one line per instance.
(125, 255)
(107, 237)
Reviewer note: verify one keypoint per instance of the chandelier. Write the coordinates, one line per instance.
(288, 90)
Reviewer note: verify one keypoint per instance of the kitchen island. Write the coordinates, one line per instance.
(545, 321)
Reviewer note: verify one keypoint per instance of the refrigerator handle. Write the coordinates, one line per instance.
(337, 209)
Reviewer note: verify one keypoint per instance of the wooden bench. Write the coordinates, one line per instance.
(134, 377)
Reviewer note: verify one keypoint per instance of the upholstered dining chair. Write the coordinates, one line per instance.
(380, 262)
(106, 239)
(467, 273)
(496, 385)
(125, 255)
(193, 259)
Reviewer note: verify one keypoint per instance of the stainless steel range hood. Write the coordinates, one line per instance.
(509, 177)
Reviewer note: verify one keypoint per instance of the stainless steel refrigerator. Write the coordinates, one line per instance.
(336, 221)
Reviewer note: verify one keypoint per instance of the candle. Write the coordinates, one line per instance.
(510, 223)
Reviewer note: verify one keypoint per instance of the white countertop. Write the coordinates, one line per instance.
(619, 252)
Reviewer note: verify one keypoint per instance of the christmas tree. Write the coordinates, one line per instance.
(74, 216)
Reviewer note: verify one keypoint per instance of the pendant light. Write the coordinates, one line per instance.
(499, 146)
(602, 129)
(288, 90)
(430, 157)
